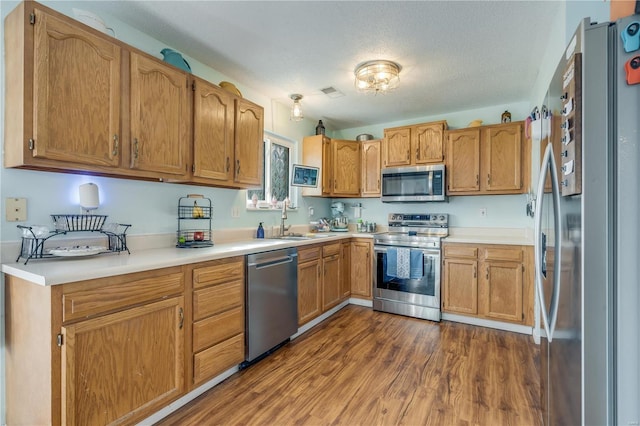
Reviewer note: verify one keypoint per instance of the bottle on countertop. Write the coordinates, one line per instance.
(260, 232)
(320, 128)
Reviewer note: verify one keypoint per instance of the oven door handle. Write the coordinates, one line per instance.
(429, 252)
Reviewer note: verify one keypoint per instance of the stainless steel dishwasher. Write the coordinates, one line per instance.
(272, 301)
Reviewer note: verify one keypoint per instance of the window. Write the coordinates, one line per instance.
(279, 156)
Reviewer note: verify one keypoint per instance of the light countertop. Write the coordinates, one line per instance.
(53, 271)
(508, 236)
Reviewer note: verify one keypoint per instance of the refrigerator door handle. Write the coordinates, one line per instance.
(548, 317)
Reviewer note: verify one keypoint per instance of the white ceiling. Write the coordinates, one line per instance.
(455, 55)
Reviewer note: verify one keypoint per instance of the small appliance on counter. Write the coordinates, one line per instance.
(339, 223)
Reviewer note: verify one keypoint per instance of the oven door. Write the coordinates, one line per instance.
(422, 292)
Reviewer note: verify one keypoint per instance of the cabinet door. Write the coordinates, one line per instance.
(124, 366)
(361, 267)
(213, 132)
(371, 157)
(331, 288)
(463, 161)
(309, 291)
(76, 94)
(500, 291)
(428, 143)
(249, 143)
(397, 147)
(460, 287)
(159, 117)
(327, 166)
(502, 158)
(345, 269)
(346, 168)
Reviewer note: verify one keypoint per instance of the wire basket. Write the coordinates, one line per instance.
(78, 222)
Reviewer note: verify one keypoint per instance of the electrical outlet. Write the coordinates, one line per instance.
(311, 211)
(483, 212)
(16, 209)
(235, 212)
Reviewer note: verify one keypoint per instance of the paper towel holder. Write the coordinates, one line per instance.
(89, 197)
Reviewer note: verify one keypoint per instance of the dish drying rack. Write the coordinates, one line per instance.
(194, 222)
(32, 246)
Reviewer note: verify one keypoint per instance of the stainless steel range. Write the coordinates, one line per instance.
(406, 267)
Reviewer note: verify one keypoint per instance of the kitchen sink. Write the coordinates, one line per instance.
(300, 237)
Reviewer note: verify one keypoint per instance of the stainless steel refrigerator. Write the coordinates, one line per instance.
(587, 230)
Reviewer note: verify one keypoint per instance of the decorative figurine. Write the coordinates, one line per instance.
(506, 117)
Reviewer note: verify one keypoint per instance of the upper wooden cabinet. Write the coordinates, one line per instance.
(487, 160)
(339, 162)
(213, 133)
(63, 94)
(414, 145)
(159, 117)
(227, 138)
(371, 160)
(249, 145)
(346, 168)
(82, 101)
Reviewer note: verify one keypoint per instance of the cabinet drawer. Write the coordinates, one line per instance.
(219, 271)
(216, 359)
(330, 249)
(217, 298)
(217, 328)
(460, 251)
(503, 253)
(90, 298)
(310, 253)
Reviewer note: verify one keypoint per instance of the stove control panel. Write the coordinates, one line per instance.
(433, 220)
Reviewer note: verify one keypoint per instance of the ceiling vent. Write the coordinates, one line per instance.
(332, 92)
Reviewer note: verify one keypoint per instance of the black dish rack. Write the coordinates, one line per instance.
(32, 246)
(194, 222)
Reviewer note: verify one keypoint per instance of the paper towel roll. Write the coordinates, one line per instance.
(89, 198)
(357, 212)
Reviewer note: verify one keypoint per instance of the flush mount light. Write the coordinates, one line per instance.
(296, 109)
(377, 76)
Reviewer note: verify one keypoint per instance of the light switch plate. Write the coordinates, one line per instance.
(16, 209)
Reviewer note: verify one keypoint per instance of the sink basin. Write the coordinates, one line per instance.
(300, 237)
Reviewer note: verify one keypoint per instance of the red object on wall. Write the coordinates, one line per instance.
(632, 69)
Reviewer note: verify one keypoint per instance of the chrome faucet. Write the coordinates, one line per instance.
(283, 217)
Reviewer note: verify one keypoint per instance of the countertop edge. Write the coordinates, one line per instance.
(51, 272)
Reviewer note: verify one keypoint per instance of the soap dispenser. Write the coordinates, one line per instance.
(260, 232)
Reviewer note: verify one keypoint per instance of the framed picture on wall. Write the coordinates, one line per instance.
(304, 176)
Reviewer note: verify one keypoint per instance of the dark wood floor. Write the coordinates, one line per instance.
(362, 367)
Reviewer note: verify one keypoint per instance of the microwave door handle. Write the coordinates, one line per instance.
(430, 187)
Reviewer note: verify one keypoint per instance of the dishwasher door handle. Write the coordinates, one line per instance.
(272, 262)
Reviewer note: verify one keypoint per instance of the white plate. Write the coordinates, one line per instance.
(77, 251)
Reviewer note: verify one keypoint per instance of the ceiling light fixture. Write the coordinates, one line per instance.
(377, 76)
(296, 109)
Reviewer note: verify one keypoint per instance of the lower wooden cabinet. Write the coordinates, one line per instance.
(218, 317)
(361, 267)
(309, 284)
(118, 366)
(345, 269)
(320, 279)
(488, 281)
(103, 351)
(331, 276)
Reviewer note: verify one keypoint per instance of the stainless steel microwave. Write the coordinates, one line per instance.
(413, 184)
